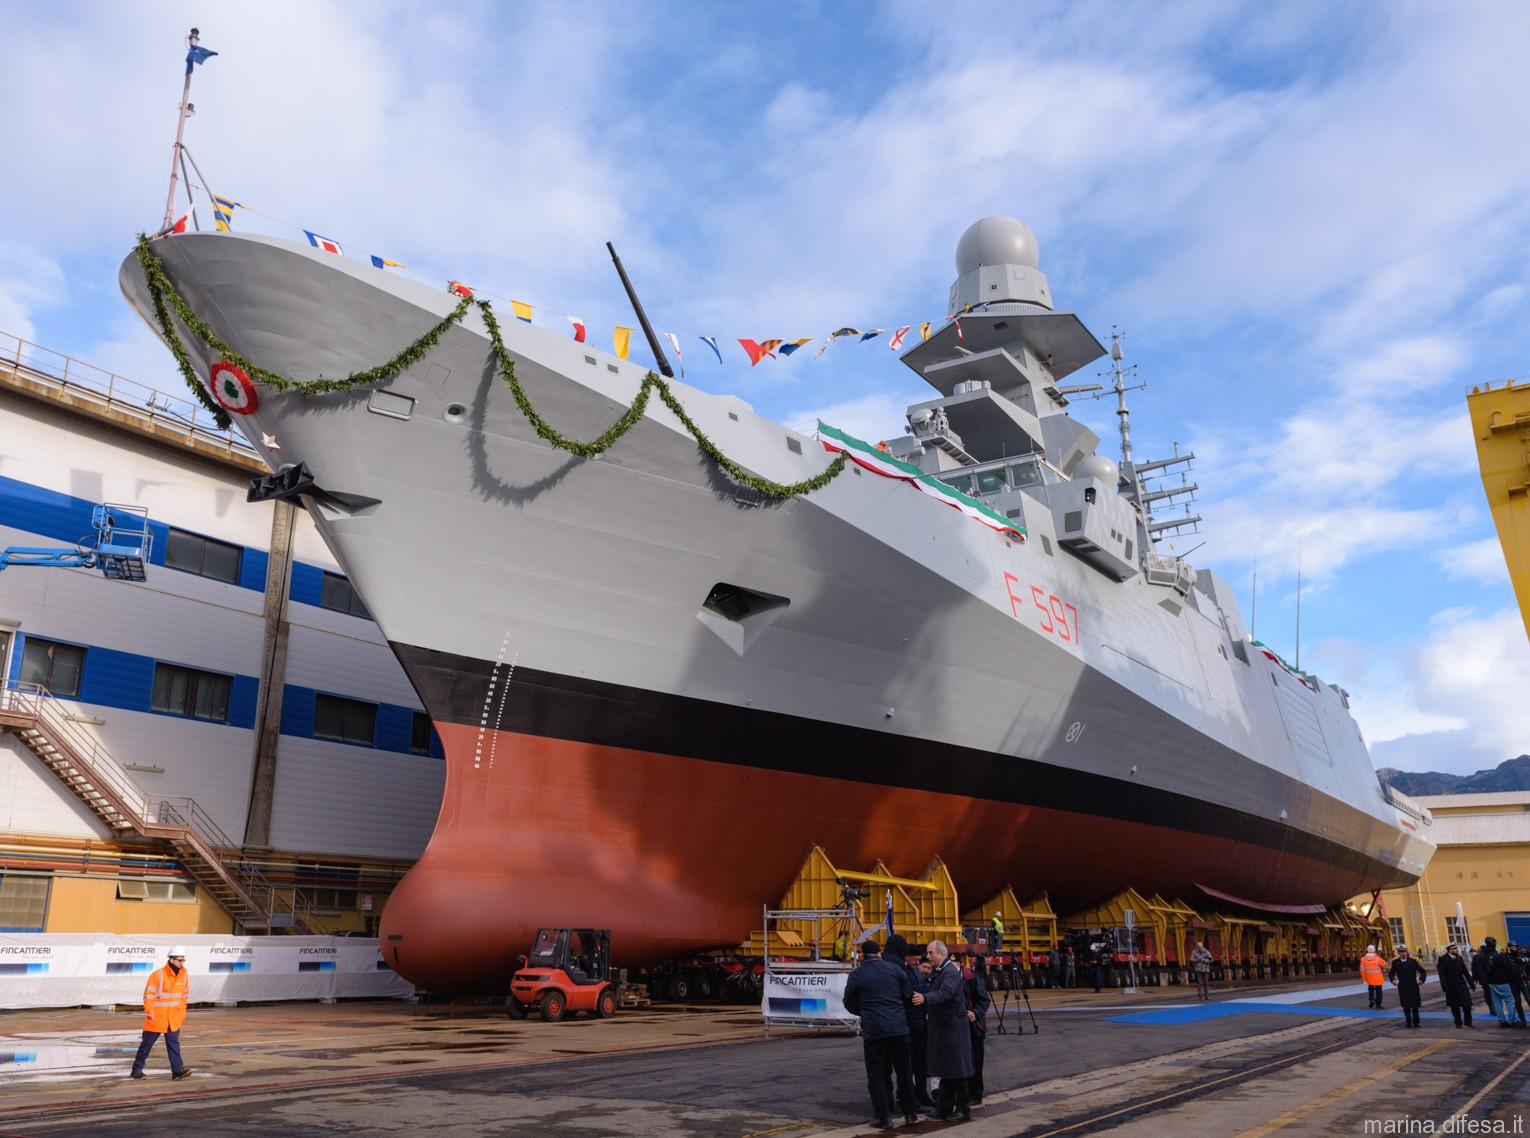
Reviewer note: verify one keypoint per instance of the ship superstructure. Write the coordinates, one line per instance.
(657, 687)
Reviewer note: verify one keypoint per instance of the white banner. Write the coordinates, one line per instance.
(812, 995)
(64, 970)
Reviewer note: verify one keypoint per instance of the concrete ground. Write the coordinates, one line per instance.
(1297, 1059)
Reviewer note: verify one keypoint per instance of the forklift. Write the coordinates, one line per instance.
(567, 972)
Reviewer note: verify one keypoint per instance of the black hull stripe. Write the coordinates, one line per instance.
(574, 708)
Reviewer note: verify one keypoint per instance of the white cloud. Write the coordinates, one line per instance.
(1459, 703)
(28, 281)
(871, 417)
(1475, 561)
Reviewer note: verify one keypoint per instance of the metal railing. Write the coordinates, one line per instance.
(36, 702)
(304, 912)
(67, 375)
(141, 811)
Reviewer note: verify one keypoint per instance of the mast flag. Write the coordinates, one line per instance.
(197, 55)
(194, 56)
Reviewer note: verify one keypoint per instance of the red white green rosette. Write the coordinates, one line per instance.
(232, 388)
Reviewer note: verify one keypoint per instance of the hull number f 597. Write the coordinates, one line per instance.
(1057, 617)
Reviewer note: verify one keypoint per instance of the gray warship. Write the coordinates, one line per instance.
(657, 687)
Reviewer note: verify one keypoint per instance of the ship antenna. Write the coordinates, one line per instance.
(637, 306)
(1298, 607)
(180, 129)
(1121, 389)
(1253, 612)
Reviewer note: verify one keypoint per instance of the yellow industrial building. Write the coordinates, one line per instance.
(1478, 884)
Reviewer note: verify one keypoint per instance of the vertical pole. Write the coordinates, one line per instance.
(1298, 608)
(268, 715)
(180, 128)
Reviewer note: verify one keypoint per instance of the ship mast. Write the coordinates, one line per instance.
(1120, 388)
(194, 55)
(1147, 482)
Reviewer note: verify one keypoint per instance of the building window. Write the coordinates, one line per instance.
(422, 735)
(348, 720)
(1397, 931)
(338, 888)
(192, 553)
(55, 666)
(171, 892)
(341, 596)
(23, 904)
(185, 691)
(1455, 929)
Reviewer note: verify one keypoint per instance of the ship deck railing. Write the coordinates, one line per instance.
(1406, 805)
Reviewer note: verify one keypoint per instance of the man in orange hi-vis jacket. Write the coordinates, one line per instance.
(1373, 970)
(164, 1010)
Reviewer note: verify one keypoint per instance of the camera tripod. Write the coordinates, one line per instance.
(1017, 980)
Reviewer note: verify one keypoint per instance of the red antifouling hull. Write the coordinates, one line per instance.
(677, 855)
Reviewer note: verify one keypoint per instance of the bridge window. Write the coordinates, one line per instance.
(991, 481)
(341, 596)
(186, 691)
(55, 666)
(193, 553)
(1025, 474)
(345, 720)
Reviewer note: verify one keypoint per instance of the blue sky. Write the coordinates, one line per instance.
(1311, 220)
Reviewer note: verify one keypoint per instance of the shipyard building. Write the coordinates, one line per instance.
(1477, 884)
(230, 745)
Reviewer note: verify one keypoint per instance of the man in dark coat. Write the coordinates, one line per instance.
(1407, 974)
(917, 1022)
(878, 991)
(1456, 979)
(949, 1034)
(978, 1002)
(1516, 980)
(1502, 976)
(1480, 961)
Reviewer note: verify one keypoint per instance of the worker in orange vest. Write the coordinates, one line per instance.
(1373, 970)
(164, 1010)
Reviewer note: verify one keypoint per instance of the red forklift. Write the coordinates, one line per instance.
(568, 971)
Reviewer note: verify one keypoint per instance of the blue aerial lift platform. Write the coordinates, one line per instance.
(120, 547)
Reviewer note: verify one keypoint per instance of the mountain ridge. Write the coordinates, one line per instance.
(1512, 774)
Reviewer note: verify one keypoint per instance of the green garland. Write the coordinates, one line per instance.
(165, 297)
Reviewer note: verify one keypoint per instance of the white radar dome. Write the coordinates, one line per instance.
(1099, 467)
(996, 241)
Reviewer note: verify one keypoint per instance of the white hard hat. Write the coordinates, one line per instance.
(1370, 948)
(177, 950)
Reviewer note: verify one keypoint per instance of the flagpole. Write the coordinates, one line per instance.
(180, 128)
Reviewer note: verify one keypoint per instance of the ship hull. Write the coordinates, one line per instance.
(680, 850)
(620, 755)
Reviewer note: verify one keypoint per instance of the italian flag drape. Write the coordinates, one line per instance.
(880, 462)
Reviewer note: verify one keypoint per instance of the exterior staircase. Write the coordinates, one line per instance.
(94, 777)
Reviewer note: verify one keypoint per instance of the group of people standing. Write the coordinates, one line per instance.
(923, 1015)
(1502, 976)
